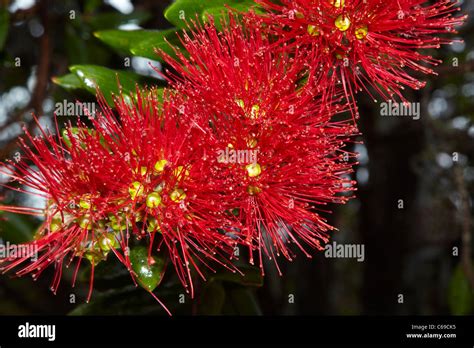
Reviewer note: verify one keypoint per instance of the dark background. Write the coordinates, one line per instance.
(426, 163)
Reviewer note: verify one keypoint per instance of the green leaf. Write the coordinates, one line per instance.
(68, 81)
(212, 298)
(4, 23)
(140, 42)
(116, 19)
(185, 10)
(92, 76)
(252, 276)
(148, 275)
(461, 296)
(221, 12)
(16, 228)
(147, 48)
(85, 77)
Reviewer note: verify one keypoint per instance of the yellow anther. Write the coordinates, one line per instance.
(177, 195)
(253, 190)
(313, 30)
(85, 202)
(180, 171)
(153, 200)
(85, 223)
(252, 143)
(160, 165)
(342, 22)
(253, 170)
(136, 189)
(255, 112)
(338, 3)
(361, 32)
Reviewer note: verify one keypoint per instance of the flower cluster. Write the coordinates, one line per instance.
(137, 174)
(252, 100)
(247, 146)
(363, 45)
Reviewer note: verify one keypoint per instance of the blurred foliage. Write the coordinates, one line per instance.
(4, 24)
(461, 296)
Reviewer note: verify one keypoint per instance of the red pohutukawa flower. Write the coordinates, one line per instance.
(138, 175)
(238, 74)
(79, 178)
(276, 150)
(168, 194)
(279, 182)
(363, 43)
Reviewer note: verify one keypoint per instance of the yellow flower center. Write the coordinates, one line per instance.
(160, 165)
(180, 172)
(313, 30)
(361, 32)
(142, 170)
(55, 224)
(254, 113)
(253, 190)
(177, 195)
(342, 22)
(136, 189)
(252, 143)
(85, 223)
(153, 200)
(253, 170)
(338, 3)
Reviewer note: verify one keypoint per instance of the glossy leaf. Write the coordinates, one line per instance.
(219, 13)
(147, 48)
(73, 82)
(107, 80)
(148, 274)
(140, 42)
(68, 81)
(182, 11)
